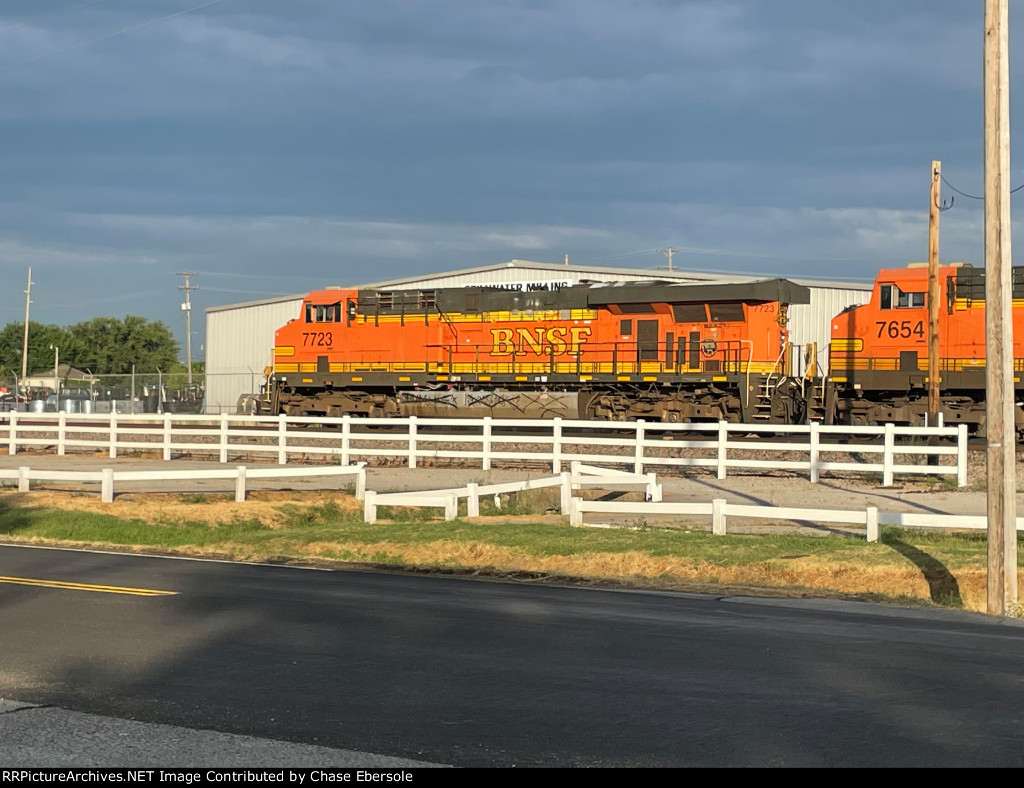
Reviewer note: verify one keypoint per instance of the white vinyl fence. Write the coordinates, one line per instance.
(580, 476)
(886, 450)
(107, 477)
(719, 510)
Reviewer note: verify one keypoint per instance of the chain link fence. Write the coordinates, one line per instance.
(138, 392)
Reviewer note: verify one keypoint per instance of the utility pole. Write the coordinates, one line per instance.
(24, 341)
(933, 296)
(1000, 450)
(187, 309)
(668, 253)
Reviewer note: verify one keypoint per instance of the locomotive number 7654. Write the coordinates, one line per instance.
(900, 328)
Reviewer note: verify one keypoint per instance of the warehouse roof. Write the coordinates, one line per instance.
(553, 269)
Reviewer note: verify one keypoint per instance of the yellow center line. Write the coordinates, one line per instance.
(29, 581)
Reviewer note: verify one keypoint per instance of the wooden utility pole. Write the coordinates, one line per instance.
(933, 296)
(1000, 453)
(24, 341)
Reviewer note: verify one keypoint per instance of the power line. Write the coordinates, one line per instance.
(971, 196)
(111, 35)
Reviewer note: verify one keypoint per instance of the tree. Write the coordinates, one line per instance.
(111, 346)
(103, 345)
(40, 355)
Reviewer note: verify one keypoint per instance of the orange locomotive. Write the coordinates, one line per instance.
(655, 350)
(879, 350)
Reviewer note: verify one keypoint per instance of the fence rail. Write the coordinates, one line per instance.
(108, 477)
(580, 476)
(719, 510)
(555, 442)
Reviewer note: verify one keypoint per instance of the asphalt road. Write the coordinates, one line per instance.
(474, 673)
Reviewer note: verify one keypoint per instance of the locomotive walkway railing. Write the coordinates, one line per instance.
(817, 449)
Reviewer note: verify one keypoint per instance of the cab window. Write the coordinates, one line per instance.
(892, 297)
(323, 313)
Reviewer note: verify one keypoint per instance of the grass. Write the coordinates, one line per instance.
(942, 569)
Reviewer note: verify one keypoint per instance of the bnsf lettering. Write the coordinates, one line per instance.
(538, 341)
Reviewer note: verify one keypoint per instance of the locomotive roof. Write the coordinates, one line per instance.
(970, 283)
(581, 296)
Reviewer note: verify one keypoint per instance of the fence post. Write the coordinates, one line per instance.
(638, 454)
(370, 507)
(718, 516)
(887, 454)
(654, 490)
(282, 440)
(575, 466)
(62, 423)
(472, 500)
(107, 485)
(167, 437)
(113, 435)
(575, 515)
(23, 478)
(961, 455)
(871, 514)
(723, 437)
(566, 492)
(240, 485)
(223, 437)
(412, 441)
(346, 436)
(485, 444)
(815, 439)
(12, 434)
(556, 445)
(451, 508)
(361, 483)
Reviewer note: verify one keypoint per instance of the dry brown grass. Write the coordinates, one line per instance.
(269, 507)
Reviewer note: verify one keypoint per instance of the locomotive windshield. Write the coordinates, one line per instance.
(892, 297)
(323, 313)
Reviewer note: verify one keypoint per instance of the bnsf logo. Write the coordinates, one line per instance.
(540, 341)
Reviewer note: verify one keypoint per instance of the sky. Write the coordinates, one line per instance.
(276, 146)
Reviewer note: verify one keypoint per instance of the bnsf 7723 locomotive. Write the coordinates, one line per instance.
(654, 350)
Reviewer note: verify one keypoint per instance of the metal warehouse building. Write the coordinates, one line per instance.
(240, 337)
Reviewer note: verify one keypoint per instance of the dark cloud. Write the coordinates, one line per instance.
(313, 141)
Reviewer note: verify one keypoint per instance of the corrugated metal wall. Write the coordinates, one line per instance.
(812, 322)
(239, 342)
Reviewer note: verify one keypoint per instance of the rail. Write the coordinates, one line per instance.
(719, 510)
(108, 477)
(580, 476)
(814, 448)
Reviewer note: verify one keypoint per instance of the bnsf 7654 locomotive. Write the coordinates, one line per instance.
(654, 350)
(879, 350)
